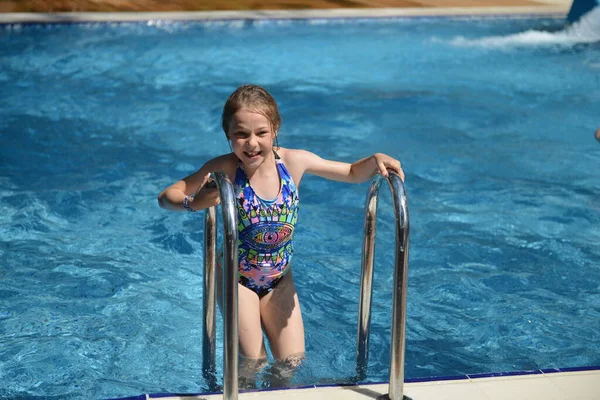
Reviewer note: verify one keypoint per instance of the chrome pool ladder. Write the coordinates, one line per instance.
(230, 273)
(400, 288)
(230, 292)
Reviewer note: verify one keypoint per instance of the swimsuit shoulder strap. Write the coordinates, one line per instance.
(241, 179)
(283, 172)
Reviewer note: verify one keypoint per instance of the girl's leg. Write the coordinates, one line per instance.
(282, 322)
(253, 355)
(251, 336)
(252, 345)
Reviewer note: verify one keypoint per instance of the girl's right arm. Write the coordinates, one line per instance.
(193, 187)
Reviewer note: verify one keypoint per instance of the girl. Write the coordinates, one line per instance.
(266, 179)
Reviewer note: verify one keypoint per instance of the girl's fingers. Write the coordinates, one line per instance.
(382, 168)
(396, 166)
(401, 173)
(383, 164)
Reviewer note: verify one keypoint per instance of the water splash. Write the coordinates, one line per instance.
(586, 30)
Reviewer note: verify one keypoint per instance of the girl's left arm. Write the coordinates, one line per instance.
(357, 172)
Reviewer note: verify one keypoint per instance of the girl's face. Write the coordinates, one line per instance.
(251, 137)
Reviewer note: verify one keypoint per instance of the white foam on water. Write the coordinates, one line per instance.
(586, 30)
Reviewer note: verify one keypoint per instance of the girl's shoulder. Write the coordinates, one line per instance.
(295, 161)
(288, 156)
(292, 155)
(223, 160)
(297, 157)
(227, 163)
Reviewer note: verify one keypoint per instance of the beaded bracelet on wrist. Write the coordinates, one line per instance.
(186, 203)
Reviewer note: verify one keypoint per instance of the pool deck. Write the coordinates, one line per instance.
(531, 385)
(437, 8)
(574, 385)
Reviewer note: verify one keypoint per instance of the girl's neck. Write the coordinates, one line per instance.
(263, 168)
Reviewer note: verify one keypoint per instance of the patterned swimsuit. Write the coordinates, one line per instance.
(265, 231)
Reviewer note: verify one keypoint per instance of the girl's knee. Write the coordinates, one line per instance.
(251, 365)
(249, 369)
(293, 360)
(281, 372)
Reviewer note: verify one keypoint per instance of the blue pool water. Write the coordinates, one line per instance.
(493, 119)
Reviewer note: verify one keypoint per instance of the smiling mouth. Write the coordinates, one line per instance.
(252, 154)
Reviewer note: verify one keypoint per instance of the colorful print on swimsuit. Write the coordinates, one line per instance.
(265, 231)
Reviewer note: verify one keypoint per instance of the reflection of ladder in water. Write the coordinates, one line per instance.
(230, 281)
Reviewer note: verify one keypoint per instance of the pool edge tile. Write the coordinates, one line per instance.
(581, 385)
(493, 386)
(529, 387)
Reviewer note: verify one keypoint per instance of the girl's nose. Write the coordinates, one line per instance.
(251, 140)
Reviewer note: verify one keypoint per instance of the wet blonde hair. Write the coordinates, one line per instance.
(254, 99)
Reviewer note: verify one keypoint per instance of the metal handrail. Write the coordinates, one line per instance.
(400, 204)
(230, 282)
(230, 291)
(209, 298)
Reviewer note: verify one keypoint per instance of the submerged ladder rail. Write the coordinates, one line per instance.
(230, 291)
(400, 204)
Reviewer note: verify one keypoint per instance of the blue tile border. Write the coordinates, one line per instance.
(436, 378)
(571, 369)
(507, 373)
(161, 395)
